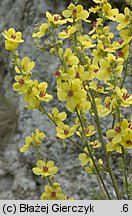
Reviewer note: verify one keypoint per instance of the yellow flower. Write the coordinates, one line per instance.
(56, 19)
(42, 30)
(112, 147)
(119, 131)
(78, 72)
(86, 42)
(123, 19)
(109, 104)
(84, 105)
(89, 131)
(39, 90)
(109, 12)
(127, 141)
(71, 92)
(92, 70)
(97, 87)
(24, 66)
(31, 100)
(105, 71)
(126, 99)
(85, 159)
(110, 67)
(123, 138)
(31, 140)
(37, 138)
(13, 39)
(120, 135)
(76, 12)
(126, 36)
(94, 9)
(13, 36)
(88, 169)
(96, 25)
(98, 53)
(53, 192)
(63, 130)
(45, 169)
(22, 84)
(60, 75)
(58, 117)
(123, 53)
(28, 143)
(70, 57)
(9, 45)
(68, 32)
(95, 144)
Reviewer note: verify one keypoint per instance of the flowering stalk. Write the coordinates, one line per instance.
(125, 172)
(91, 156)
(104, 147)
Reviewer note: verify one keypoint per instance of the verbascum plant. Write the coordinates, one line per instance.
(90, 79)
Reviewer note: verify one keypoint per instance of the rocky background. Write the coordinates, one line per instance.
(16, 122)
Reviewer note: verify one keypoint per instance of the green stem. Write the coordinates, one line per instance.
(77, 145)
(125, 171)
(104, 147)
(101, 189)
(91, 156)
(125, 74)
(119, 114)
(49, 180)
(113, 122)
(130, 166)
(37, 153)
(43, 111)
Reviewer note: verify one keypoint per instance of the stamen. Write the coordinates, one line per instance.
(107, 105)
(70, 93)
(53, 194)
(21, 81)
(57, 73)
(56, 18)
(129, 142)
(125, 96)
(13, 36)
(66, 131)
(86, 130)
(42, 94)
(77, 76)
(74, 12)
(118, 129)
(45, 169)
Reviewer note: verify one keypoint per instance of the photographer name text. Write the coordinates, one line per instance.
(54, 208)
